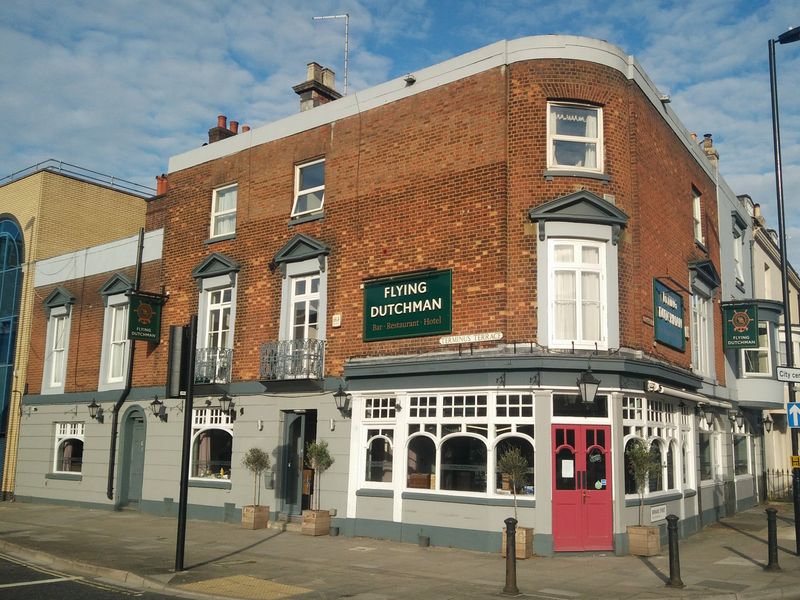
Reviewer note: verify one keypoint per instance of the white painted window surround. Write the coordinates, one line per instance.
(56, 350)
(115, 348)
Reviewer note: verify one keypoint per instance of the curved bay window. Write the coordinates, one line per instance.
(463, 464)
(421, 462)
(69, 448)
(379, 455)
(212, 444)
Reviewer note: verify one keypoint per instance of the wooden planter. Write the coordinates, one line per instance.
(316, 522)
(644, 540)
(255, 517)
(524, 546)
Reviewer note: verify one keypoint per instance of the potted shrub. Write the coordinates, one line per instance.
(255, 516)
(513, 465)
(643, 540)
(316, 521)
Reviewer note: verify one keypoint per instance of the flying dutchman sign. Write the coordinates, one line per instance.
(413, 305)
(144, 317)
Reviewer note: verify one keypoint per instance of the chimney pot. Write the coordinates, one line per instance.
(245, 128)
(161, 184)
(221, 121)
(235, 126)
(328, 78)
(314, 72)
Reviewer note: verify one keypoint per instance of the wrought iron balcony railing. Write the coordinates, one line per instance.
(292, 359)
(213, 365)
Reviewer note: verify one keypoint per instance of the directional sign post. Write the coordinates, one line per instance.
(788, 374)
(793, 412)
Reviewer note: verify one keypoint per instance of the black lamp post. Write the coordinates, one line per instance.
(787, 37)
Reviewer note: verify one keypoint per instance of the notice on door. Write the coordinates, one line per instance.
(567, 469)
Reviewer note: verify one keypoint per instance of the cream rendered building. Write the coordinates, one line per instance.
(47, 210)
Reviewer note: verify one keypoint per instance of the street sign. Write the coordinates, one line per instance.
(788, 374)
(793, 412)
(796, 462)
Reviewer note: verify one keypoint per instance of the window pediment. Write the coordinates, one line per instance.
(301, 247)
(216, 264)
(706, 273)
(580, 207)
(57, 298)
(117, 284)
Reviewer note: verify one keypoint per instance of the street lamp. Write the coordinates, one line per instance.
(588, 385)
(787, 37)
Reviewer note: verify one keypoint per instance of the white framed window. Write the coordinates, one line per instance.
(738, 267)
(305, 307)
(701, 346)
(309, 187)
(68, 456)
(212, 444)
(577, 287)
(783, 357)
(757, 362)
(218, 318)
(741, 448)
(223, 210)
(708, 450)
(114, 356)
(56, 350)
(574, 137)
(697, 216)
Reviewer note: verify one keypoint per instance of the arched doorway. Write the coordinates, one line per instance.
(11, 260)
(130, 476)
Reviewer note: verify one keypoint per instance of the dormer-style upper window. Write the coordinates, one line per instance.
(575, 137)
(309, 187)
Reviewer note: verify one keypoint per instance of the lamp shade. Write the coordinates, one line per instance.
(342, 399)
(225, 403)
(156, 405)
(588, 385)
(93, 408)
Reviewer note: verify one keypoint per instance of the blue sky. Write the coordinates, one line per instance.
(118, 86)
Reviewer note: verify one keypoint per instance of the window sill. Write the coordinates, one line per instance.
(549, 174)
(479, 499)
(64, 476)
(689, 493)
(217, 484)
(375, 493)
(701, 245)
(660, 498)
(219, 238)
(306, 218)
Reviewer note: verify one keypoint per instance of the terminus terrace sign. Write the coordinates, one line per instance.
(413, 305)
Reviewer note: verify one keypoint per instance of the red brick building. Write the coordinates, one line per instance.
(451, 252)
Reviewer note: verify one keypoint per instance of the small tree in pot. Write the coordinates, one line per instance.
(514, 465)
(255, 516)
(318, 457)
(642, 540)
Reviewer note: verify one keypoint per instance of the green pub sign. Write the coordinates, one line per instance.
(144, 318)
(408, 306)
(740, 322)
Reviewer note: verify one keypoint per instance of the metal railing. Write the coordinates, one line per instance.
(292, 359)
(59, 166)
(779, 484)
(213, 365)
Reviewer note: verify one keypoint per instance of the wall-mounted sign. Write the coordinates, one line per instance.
(471, 338)
(658, 513)
(741, 325)
(668, 316)
(408, 306)
(144, 317)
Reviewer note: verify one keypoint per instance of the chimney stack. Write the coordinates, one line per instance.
(318, 87)
(161, 184)
(220, 132)
(708, 148)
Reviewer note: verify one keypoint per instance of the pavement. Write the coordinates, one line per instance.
(725, 560)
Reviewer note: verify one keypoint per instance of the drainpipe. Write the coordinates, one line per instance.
(128, 381)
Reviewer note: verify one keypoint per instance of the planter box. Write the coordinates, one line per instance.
(644, 540)
(524, 546)
(316, 522)
(255, 517)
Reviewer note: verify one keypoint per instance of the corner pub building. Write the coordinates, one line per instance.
(448, 253)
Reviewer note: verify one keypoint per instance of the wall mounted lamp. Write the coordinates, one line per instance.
(767, 423)
(705, 414)
(736, 417)
(226, 403)
(95, 411)
(342, 400)
(158, 409)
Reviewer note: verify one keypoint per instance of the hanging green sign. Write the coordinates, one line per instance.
(144, 318)
(408, 306)
(740, 325)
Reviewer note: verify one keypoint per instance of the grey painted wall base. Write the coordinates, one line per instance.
(60, 502)
(543, 544)
(621, 546)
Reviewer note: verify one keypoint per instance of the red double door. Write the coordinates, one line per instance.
(582, 503)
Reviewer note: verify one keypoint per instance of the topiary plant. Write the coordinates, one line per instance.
(640, 464)
(318, 458)
(512, 464)
(256, 461)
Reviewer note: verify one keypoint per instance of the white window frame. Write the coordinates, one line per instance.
(66, 431)
(697, 216)
(553, 137)
(55, 360)
(217, 214)
(116, 308)
(299, 192)
(577, 268)
(714, 448)
(306, 299)
(742, 433)
(767, 350)
(208, 419)
(702, 361)
(738, 258)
